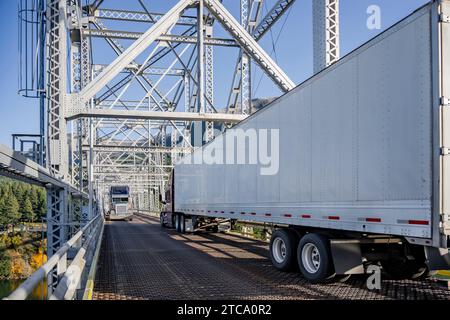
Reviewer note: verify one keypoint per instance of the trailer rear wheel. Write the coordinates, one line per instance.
(283, 246)
(314, 258)
(182, 223)
(177, 222)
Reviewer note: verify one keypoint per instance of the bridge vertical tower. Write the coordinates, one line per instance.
(325, 33)
(209, 78)
(245, 67)
(57, 153)
(57, 134)
(57, 87)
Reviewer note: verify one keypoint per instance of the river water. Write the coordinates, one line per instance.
(8, 286)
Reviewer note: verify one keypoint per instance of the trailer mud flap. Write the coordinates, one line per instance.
(437, 258)
(347, 258)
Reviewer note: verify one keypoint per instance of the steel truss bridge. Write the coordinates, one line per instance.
(123, 95)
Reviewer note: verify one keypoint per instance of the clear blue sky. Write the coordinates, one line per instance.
(293, 53)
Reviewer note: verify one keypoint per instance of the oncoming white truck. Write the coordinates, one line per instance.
(120, 204)
(364, 161)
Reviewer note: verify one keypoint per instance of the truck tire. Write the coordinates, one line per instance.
(177, 222)
(182, 223)
(314, 258)
(283, 247)
(161, 220)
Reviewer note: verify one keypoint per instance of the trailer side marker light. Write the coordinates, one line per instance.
(419, 222)
(373, 219)
(222, 211)
(287, 215)
(268, 214)
(242, 212)
(253, 213)
(232, 212)
(334, 218)
(209, 211)
(306, 216)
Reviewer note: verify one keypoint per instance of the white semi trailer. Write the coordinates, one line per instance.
(364, 161)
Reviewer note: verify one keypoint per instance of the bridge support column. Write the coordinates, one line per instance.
(326, 33)
(57, 214)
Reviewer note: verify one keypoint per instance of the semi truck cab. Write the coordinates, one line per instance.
(120, 204)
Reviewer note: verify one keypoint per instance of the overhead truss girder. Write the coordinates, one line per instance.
(155, 115)
(119, 34)
(139, 16)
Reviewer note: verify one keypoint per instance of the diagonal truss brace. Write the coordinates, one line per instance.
(158, 29)
(271, 18)
(170, 18)
(249, 44)
(257, 32)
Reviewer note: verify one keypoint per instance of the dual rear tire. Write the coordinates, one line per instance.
(310, 254)
(180, 224)
(283, 245)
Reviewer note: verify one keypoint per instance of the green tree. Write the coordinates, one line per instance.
(20, 193)
(28, 211)
(12, 209)
(33, 195)
(42, 204)
(3, 217)
(5, 266)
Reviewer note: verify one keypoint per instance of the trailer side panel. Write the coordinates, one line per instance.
(355, 146)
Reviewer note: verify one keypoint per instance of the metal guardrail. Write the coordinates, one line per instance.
(70, 278)
(89, 287)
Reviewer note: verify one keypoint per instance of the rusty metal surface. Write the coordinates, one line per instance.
(140, 260)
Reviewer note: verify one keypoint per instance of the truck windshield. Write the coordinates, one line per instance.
(119, 190)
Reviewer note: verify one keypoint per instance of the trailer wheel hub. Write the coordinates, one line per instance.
(311, 258)
(279, 250)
